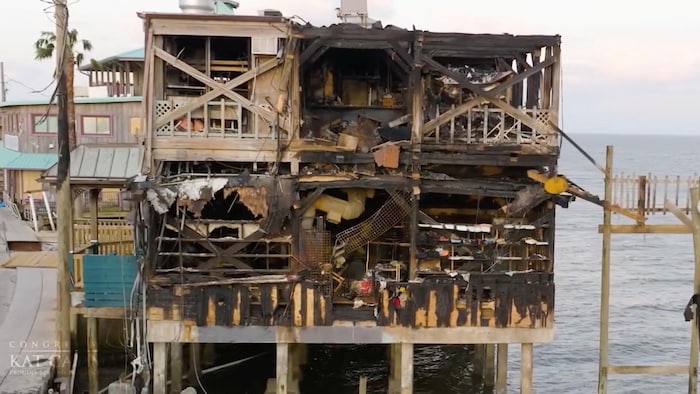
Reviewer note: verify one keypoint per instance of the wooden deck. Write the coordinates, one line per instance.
(27, 333)
(16, 233)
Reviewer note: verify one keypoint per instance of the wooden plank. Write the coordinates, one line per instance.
(647, 229)
(694, 334)
(671, 207)
(671, 369)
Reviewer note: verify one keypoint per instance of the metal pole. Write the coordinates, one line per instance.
(694, 334)
(605, 276)
(63, 201)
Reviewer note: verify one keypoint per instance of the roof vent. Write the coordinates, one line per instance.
(270, 12)
(197, 6)
(225, 7)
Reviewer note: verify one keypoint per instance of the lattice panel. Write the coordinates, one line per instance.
(163, 108)
(389, 215)
(317, 245)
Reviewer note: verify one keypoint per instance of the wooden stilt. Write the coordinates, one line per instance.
(605, 278)
(526, 369)
(363, 385)
(195, 364)
(489, 371)
(478, 360)
(93, 372)
(502, 369)
(160, 367)
(175, 367)
(693, 368)
(282, 368)
(406, 370)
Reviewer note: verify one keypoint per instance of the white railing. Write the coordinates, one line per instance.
(485, 125)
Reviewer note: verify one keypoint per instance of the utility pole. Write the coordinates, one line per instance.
(2, 83)
(64, 199)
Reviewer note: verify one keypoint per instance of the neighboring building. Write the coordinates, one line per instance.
(29, 128)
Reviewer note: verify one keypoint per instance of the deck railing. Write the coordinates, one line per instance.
(648, 194)
(486, 125)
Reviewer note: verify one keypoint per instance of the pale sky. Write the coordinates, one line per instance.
(629, 66)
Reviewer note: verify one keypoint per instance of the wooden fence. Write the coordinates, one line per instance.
(114, 236)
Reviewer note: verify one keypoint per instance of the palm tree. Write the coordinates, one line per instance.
(44, 48)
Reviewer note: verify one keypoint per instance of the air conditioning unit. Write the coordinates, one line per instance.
(265, 45)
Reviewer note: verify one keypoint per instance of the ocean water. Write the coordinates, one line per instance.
(651, 284)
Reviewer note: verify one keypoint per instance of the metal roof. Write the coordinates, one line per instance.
(101, 164)
(78, 100)
(12, 160)
(135, 55)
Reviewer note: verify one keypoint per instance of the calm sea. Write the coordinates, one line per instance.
(651, 283)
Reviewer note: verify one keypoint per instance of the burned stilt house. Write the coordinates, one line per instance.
(346, 184)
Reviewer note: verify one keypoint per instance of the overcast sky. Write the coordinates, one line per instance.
(629, 66)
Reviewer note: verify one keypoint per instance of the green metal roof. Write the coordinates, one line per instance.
(101, 164)
(11, 160)
(79, 100)
(135, 55)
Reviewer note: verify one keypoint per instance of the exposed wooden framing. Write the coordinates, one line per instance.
(533, 83)
(694, 334)
(457, 111)
(648, 369)
(502, 369)
(418, 86)
(311, 50)
(647, 229)
(526, 360)
(218, 27)
(205, 98)
(148, 104)
(509, 109)
(289, 56)
(176, 364)
(556, 86)
(215, 86)
(546, 85)
(188, 232)
(603, 358)
(93, 372)
(403, 55)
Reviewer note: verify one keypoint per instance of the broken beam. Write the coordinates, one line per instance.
(457, 111)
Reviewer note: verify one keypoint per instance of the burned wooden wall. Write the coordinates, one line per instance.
(524, 300)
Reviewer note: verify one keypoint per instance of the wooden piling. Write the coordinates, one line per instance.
(160, 365)
(694, 335)
(175, 367)
(478, 360)
(363, 385)
(195, 364)
(93, 371)
(526, 368)
(605, 277)
(282, 374)
(502, 369)
(406, 368)
(489, 371)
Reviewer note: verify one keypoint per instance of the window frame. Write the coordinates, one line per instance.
(35, 117)
(96, 116)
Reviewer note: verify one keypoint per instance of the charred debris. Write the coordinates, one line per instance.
(388, 179)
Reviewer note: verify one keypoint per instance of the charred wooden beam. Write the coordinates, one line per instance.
(397, 48)
(478, 187)
(188, 232)
(491, 97)
(457, 111)
(311, 50)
